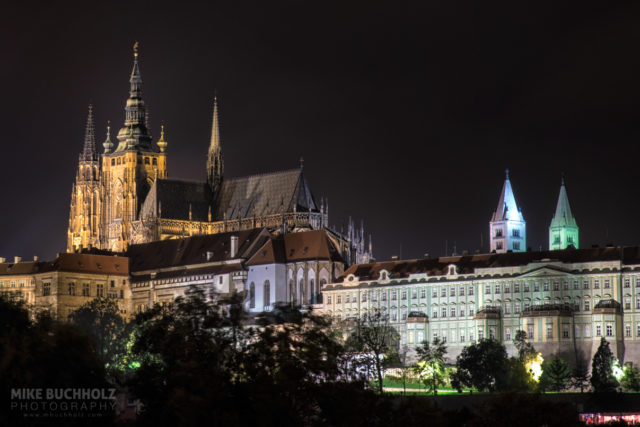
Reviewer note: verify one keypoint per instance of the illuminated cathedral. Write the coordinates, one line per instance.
(124, 195)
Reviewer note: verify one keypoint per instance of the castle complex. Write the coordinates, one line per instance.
(266, 236)
(124, 196)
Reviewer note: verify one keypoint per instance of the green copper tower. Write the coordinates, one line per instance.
(563, 231)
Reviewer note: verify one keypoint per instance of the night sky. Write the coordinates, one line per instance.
(406, 114)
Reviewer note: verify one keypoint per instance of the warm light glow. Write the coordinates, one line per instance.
(616, 369)
(534, 366)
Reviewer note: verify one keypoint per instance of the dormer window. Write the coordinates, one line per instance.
(384, 275)
(452, 270)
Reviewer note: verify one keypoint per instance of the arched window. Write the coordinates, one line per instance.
(292, 291)
(301, 290)
(252, 295)
(266, 295)
(312, 287)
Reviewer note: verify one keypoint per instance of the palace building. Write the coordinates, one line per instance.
(124, 195)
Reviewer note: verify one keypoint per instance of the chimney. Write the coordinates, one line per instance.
(16, 259)
(3, 260)
(209, 255)
(35, 258)
(234, 246)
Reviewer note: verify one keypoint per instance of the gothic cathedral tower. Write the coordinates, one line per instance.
(86, 206)
(563, 231)
(507, 228)
(129, 171)
(215, 167)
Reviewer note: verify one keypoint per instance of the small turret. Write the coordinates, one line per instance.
(215, 166)
(162, 144)
(107, 144)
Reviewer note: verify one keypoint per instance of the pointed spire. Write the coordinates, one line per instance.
(135, 133)
(563, 216)
(215, 166)
(507, 208)
(162, 144)
(89, 149)
(107, 144)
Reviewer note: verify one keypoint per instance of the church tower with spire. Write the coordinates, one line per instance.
(563, 231)
(215, 166)
(130, 169)
(86, 206)
(507, 228)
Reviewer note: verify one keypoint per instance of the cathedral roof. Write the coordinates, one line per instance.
(292, 247)
(266, 194)
(507, 208)
(174, 199)
(563, 216)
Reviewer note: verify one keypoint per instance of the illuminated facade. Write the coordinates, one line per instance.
(507, 228)
(564, 300)
(124, 196)
(563, 231)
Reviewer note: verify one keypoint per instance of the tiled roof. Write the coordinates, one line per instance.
(72, 262)
(193, 250)
(468, 264)
(267, 194)
(291, 247)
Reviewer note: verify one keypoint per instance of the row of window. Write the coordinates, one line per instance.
(12, 284)
(266, 295)
(146, 160)
(555, 286)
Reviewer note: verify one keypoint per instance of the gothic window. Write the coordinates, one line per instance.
(312, 285)
(266, 295)
(252, 295)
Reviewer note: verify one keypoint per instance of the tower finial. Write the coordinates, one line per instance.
(162, 144)
(135, 49)
(506, 171)
(301, 162)
(108, 145)
(562, 178)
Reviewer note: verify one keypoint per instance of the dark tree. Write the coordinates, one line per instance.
(100, 319)
(482, 365)
(602, 378)
(431, 363)
(525, 348)
(580, 374)
(377, 339)
(556, 375)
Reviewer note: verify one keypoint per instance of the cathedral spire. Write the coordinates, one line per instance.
(89, 149)
(134, 135)
(215, 166)
(563, 231)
